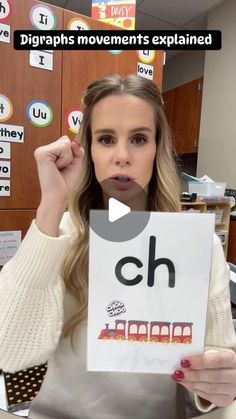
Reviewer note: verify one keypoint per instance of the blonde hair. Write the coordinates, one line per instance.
(164, 186)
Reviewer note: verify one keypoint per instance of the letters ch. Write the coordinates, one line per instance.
(152, 265)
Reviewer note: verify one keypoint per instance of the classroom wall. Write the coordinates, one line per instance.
(217, 142)
(182, 68)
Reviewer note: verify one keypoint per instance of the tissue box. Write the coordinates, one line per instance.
(207, 188)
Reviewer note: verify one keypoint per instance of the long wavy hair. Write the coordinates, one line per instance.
(164, 186)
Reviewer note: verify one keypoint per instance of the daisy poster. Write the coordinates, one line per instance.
(115, 12)
(148, 295)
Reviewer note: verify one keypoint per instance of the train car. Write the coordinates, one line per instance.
(137, 330)
(159, 332)
(182, 332)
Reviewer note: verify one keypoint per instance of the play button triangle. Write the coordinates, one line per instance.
(116, 209)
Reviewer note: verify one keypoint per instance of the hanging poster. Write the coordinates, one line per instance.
(115, 12)
(148, 295)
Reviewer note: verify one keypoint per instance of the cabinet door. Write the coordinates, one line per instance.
(232, 242)
(183, 111)
(22, 83)
(82, 67)
(16, 220)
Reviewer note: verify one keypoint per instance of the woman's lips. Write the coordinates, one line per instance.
(122, 183)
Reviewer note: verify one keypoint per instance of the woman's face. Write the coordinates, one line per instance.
(123, 141)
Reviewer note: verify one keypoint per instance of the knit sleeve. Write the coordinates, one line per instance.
(31, 297)
(220, 333)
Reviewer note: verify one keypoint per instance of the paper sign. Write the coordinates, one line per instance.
(115, 12)
(5, 10)
(41, 59)
(5, 187)
(146, 56)
(42, 17)
(5, 32)
(73, 120)
(11, 133)
(9, 243)
(145, 70)
(6, 108)
(5, 170)
(148, 295)
(76, 24)
(5, 151)
(39, 113)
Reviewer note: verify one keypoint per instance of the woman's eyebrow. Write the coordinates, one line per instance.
(106, 130)
(140, 129)
(111, 131)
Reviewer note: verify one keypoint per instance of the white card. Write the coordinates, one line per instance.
(5, 150)
(159, 319)
(41, 59)
(9, 243)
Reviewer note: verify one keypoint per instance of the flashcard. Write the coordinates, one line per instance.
(5, 33)
(11, 133)
(148, 295)
(5, 187)
(5, 168)
(5, 150)
(146, 56)
(39, 113)
(6, 108)
(145, 70)
(41, 59)
(73, 120)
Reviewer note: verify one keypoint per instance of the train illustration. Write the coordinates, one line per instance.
(144, 331)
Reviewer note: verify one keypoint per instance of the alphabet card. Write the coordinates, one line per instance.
(148, 295)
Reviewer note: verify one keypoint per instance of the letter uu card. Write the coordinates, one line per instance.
(148, 293)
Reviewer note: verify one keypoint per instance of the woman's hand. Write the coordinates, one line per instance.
(59, 166)
(212, 376)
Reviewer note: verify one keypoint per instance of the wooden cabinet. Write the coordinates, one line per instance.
(221, 209)
(81, 67)
(183, 111)
(60, 88)
(232, 241)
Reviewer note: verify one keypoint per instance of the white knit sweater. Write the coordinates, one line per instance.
(32, 297)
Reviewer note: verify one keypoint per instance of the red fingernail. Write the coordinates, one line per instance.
(185, 363)
(178, 375)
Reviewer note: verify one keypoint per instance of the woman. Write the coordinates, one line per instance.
(124, 137)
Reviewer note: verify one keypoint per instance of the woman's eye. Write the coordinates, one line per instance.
(105, 140)
(139, 140)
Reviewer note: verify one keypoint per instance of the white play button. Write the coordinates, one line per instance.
(116, 209)
(129, 222)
